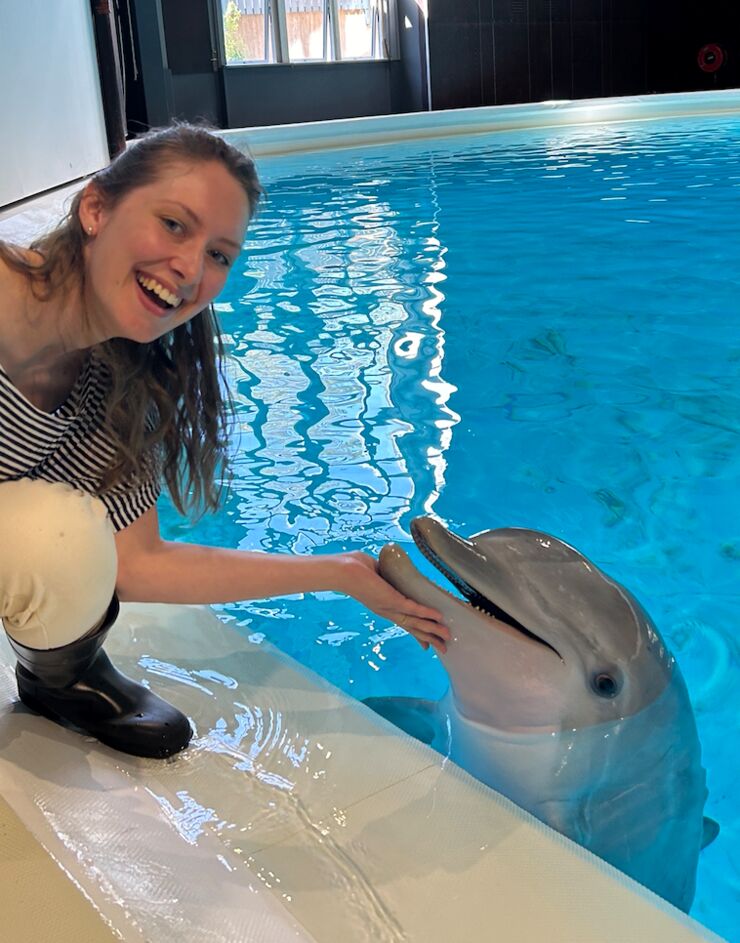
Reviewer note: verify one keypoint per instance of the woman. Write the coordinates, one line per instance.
(109, 381)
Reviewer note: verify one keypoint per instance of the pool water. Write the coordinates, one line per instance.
(530, 328)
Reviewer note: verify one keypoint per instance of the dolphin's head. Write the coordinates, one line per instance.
(542, 638)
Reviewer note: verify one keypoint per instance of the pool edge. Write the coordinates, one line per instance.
(276, 140)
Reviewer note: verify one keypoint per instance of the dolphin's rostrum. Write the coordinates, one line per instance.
(563, 697)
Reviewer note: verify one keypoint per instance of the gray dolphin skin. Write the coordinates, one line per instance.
(563, 697)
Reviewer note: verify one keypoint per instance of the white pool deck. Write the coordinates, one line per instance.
(296, 814)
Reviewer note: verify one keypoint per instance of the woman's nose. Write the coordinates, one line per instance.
(188, 265)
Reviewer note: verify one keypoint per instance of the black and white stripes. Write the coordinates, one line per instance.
(70, 445)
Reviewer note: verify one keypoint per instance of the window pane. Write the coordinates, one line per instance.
(304, 20)
(355, 29)
(246, 34)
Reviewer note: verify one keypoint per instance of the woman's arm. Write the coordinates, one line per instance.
(154, 570)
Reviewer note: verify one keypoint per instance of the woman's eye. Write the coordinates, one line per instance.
(220, 258)
(172, 224)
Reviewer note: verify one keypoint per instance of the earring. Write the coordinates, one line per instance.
(89, 230)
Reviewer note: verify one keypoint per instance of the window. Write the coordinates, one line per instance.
(307, 30)
(247, 31)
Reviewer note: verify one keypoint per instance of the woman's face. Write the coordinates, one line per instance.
(163, 252)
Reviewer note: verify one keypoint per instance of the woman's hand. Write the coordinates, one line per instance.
(154, 570)
(364, 583)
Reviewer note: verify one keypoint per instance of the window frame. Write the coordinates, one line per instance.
(384, 31)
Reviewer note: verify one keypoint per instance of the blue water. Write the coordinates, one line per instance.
(528, 328)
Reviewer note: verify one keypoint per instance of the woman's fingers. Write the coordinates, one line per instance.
(435, 632)
(423, 635)
(424, 612)
(418, 611)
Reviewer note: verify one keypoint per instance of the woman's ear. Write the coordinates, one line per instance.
(91, 210)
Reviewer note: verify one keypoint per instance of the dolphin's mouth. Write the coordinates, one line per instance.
(470, 593)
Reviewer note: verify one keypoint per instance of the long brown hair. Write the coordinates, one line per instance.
(168, 395)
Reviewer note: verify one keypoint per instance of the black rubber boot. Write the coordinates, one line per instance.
(77, 684)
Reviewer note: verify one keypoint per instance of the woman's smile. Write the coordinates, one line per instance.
(162, 296)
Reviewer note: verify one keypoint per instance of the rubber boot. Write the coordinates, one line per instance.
(77, 684)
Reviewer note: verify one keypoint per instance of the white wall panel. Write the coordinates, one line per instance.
(52, 128)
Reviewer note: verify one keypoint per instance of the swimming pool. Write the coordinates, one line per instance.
(533, 328)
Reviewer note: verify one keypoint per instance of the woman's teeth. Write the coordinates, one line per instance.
(153, 286)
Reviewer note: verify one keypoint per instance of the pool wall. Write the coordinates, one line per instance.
(353, 132)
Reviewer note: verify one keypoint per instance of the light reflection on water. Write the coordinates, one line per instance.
(534, 329)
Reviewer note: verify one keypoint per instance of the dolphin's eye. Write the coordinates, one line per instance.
(605, 685)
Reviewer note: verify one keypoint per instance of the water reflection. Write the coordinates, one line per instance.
(343, 366)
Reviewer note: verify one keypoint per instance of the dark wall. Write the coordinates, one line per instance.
(676, 37)
(192, 53)
(152, 105)
(492, 52)
(284, 94)
(177, 52)
(481, 52)
(413, 53)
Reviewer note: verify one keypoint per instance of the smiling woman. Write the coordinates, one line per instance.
(110, 381)
(172, 210)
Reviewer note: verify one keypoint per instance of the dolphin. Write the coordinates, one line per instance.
(563, 697)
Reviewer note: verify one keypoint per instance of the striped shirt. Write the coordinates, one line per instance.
(71, 445)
